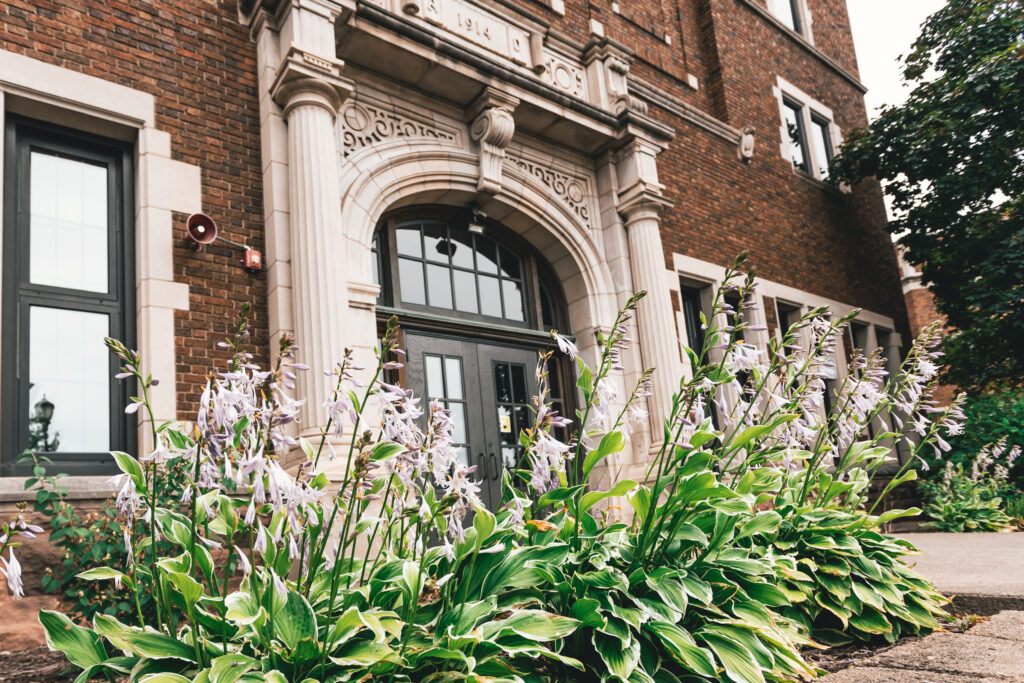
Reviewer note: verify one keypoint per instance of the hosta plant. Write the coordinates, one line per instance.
(974, 499)
(398, 572)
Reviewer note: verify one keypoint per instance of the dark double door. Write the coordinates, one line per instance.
(487, 387)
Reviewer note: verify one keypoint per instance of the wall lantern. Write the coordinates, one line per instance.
(201, 230)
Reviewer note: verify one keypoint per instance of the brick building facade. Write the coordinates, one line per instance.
(484, 169)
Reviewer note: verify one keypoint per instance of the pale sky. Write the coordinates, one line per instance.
(882, 31)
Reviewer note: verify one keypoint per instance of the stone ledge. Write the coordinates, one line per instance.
(12, 489)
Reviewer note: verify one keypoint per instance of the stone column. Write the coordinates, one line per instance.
(310, 90)
(655, 321)
(640, 202)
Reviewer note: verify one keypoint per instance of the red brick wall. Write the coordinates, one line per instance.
(799, 232)
(200, 65)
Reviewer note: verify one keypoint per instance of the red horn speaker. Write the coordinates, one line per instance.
(201, 229)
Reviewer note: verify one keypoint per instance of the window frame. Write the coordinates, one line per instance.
(811, 113)
(534, 271)
(21, 137)
(801, 18)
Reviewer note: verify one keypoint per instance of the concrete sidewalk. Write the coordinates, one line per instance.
(984, 571)
(991, 651)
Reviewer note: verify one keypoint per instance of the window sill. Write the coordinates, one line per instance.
(819, 183)
(12, 489)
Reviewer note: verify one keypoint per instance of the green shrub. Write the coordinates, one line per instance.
(974, 500)
(92, 539)
(989, 417)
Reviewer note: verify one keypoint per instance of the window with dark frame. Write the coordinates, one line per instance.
(794, 121)
(695, 333)
(68, 282)
(821, 140)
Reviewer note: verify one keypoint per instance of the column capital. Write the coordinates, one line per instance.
(642, 200)
(306, 78)
(492, 127)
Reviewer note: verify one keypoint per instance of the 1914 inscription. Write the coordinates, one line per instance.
(479, 27)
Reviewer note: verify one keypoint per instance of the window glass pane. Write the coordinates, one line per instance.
(408, 240)
(436, 246)
(795, 130)
(458, 415)
(462, 248)
(513, 300)
(439, 286)
(68, 223)
(518, 373)
(822, 142)
(462, 453)
(547, 307)
(490, 296)
(453, 377)
(410, 277)
(465, 291)
(69, 367)
(691, 318)
(509, 264)
(486, 255)
(786, 12)
(502, 382)
(435, 377)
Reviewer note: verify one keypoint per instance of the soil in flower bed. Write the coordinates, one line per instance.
(35, 665)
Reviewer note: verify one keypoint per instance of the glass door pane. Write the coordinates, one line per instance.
(69, 381)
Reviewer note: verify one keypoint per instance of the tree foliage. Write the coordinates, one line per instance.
(952, 159)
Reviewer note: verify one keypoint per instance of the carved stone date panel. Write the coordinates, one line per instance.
(517, 42)
(480, 27)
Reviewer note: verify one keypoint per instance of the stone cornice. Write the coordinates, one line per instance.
(687, 112)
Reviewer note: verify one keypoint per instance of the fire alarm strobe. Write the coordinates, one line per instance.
(201, 229)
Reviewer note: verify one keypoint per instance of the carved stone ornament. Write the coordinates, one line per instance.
(573, 191)
(364, 124)
(492, 128)
(746, 143)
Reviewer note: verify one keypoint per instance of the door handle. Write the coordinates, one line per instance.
(481, 466)
(497, 467)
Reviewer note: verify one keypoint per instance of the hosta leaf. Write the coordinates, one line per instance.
(669, 589)
(531, 623)
(871, 621)
(640, 499)
(80, 645)
(698, 589)
(364, 654)
(100, 573)
(295, 621)
(592, 498)
(762, 523)
(620, 657)
(613, 442)
(683, 648)
(243, 608)
(158, 646)
(229, 668)
(867, 596)
(740, 665)
(586, 611)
